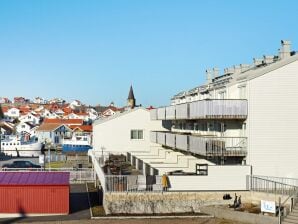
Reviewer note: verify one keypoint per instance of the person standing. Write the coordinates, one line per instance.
(164, 182)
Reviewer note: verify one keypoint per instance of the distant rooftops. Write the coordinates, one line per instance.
(63, 121)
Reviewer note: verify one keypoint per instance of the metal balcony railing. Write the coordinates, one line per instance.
(203, 109)
(203, 145)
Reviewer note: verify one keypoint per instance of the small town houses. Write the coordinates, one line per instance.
(50, 121)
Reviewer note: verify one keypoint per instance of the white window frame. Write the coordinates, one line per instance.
(138, 132)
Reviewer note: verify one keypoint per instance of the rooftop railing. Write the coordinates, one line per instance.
(203, 109)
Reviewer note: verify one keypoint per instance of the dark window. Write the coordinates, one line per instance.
(136, 134)
(202, 169)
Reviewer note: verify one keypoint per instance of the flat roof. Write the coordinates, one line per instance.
(34, 178)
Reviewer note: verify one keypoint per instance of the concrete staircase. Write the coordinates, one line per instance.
(292, 217)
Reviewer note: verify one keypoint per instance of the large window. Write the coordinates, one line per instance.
(136, 134)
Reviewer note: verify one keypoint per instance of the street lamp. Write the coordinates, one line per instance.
(102, 149)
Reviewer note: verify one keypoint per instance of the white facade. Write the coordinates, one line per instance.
(272, 124)
(47, 114)
(30, 118)
(113, 134)
(74, 104)
(23, 127)
(13, 113)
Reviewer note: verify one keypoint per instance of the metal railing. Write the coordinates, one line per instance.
(81, 175)
(203, 109)
(285, 180)
(132, 183)
(258, 184)
(203, 145)
(55, 158)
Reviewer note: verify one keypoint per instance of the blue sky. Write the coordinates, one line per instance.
(93, 50)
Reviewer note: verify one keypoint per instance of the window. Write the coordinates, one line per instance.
(242, 91)
(222, 95)
(202, 169)
(136, 134)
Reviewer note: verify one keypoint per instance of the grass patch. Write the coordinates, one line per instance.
(53, 165)
(95, 201)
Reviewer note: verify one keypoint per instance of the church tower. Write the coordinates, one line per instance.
(131, 101)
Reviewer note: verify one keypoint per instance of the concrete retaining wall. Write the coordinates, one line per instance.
(174, 202)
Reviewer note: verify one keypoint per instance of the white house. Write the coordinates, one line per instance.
(59, 112)
(72, 116)
(125, 132)
(48, 114)
(30, 117)
(39, 100)
(26, 127)
(12, 113)
(75, 104)
(53, 133)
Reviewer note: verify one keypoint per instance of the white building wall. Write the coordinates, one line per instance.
(218, 178)
(272, 124)
(114, 133)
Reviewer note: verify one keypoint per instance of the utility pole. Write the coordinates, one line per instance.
(1, 117)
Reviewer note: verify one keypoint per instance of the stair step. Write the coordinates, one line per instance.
(292, 217)
(286, 220)
(294, 214)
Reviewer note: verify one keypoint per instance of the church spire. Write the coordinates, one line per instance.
(131, 101)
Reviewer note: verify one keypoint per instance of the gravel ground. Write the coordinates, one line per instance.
(149, 221)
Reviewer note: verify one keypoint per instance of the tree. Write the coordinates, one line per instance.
(1, 113)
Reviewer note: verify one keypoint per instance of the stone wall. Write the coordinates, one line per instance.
(174, 202)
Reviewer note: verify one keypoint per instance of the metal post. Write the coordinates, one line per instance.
(279, 210)
(49, 160)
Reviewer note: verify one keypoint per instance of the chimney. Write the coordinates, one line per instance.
(285, 50)
(209, 75)
(237, 68)
(230, 70)
(215, 72)
(268, 59)
(257, 61)
(244, 67)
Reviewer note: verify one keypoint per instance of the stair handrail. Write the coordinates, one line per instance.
(292, 197)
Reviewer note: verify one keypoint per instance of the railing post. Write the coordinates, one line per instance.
(279, 210)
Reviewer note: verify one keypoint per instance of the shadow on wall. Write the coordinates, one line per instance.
(21, 212)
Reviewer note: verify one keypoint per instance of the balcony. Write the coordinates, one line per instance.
(203, 145)
(203, 109)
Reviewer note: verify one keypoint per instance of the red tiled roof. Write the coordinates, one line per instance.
(86, 128)
(63, 121)
(5, 109)
(48, 127)
(82, 114)
(67, 110)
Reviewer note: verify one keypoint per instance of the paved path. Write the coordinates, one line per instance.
(79, 209)
(150, 221)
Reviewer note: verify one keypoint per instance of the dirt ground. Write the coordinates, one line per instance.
(149, 221)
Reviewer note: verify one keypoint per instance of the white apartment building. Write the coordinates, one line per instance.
(247, 115)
